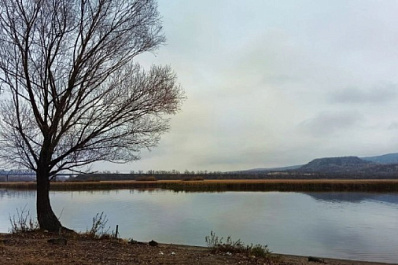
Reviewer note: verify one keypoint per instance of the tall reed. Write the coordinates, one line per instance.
(222, 185)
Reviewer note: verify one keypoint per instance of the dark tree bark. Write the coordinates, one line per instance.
(45, 215)
(71, 92)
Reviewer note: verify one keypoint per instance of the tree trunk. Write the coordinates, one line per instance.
(45, 215)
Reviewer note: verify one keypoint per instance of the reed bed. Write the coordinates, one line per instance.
(323, 185)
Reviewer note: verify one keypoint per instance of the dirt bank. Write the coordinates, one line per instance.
(34, 248)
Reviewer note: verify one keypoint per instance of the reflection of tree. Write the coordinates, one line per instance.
(354, 197)
(23, 194)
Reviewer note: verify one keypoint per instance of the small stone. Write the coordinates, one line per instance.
(135, 242)
(314, 259)
(173, 253)
(161, 253)
(153, 243)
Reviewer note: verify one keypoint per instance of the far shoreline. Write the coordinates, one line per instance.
(284, 185)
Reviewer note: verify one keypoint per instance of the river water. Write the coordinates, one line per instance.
(359, 226)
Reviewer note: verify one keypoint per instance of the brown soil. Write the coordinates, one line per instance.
(34, 248)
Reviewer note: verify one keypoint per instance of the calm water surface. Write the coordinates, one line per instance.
(361, 226)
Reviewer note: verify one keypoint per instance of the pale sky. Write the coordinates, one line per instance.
(276, 83)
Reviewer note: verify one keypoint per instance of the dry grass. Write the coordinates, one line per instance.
(369, 185)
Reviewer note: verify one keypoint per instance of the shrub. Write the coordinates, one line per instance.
(217, 244)
(22, 222)
(98, 228)
(213, 241)
(258, 251)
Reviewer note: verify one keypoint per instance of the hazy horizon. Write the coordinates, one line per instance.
(277, 83)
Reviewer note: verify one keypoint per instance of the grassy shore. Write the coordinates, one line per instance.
(325, 185)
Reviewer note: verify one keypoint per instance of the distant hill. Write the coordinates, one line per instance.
(351, 167)
(383, 166)
(336, 165)
(256, 170)
(383, 159)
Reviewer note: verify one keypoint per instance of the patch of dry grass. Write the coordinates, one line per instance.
(369, 185)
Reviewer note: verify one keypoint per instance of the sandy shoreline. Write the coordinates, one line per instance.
(34, 248)
(297, 259)
(304, 260)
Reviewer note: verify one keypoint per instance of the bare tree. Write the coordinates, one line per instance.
(71, 93)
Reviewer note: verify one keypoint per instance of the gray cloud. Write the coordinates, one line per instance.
(393, 126)
(261, 79)
(375, 95)
(329, 123)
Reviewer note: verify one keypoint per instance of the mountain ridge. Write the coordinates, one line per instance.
(386, 164)
(347, 164)
(391, 158)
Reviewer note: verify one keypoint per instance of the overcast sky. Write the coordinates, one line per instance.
(277, 83)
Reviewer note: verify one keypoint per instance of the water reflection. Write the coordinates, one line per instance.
(354, 197)
(4, 193)
(358, 226)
